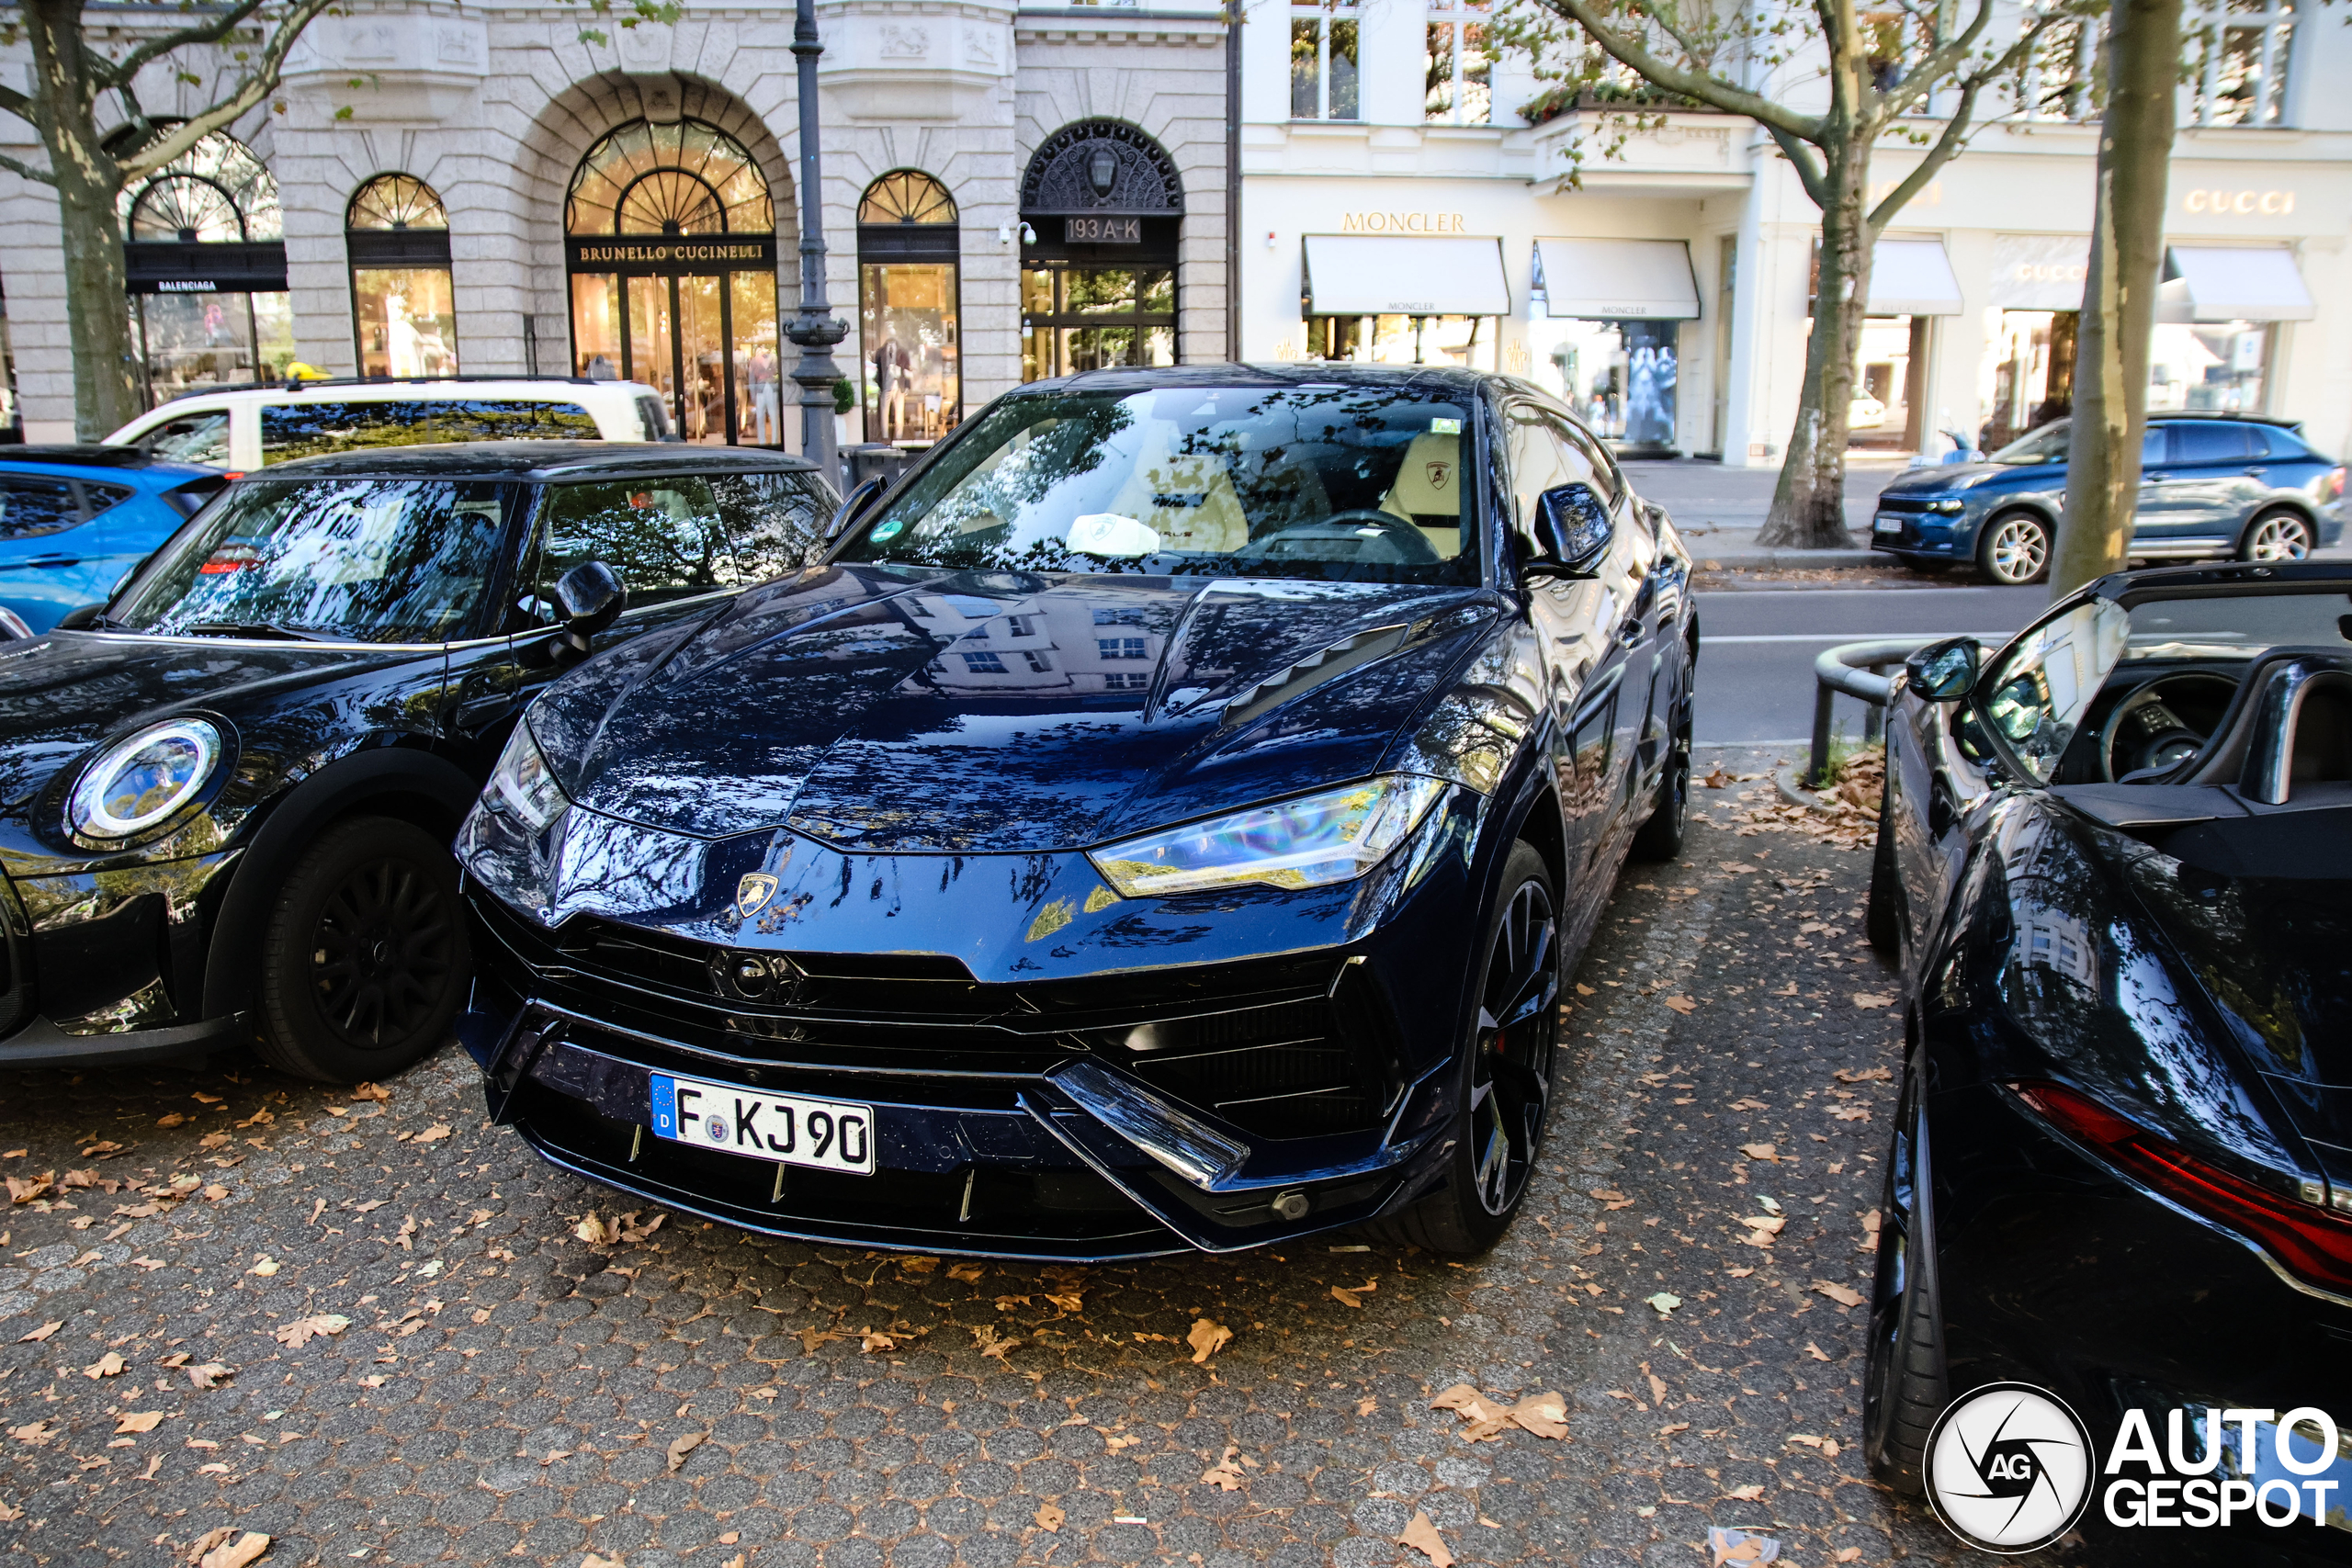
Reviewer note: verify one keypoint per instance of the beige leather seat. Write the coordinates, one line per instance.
(1427, 490)
(1188, 500)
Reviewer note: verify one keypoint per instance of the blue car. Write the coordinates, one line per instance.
(2209, 485)
(74, 519)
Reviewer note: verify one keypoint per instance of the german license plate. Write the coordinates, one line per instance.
(786, 1129)
(1886, 523)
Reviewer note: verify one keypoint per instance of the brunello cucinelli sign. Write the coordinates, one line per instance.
(684, 255)
(1402, 223)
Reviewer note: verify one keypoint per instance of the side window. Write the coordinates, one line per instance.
(201, 437)
(1601, 470)
(29, 508)
(103, 498)
(511, 419)
(2271, 441)
(1537, 460)
(2152, 446)
(663, 536)
(313, 430)
(2217, 442)
(776, 521)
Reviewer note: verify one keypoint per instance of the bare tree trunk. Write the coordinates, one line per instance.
(2110, 411)
(88, 180)
(1809, 505)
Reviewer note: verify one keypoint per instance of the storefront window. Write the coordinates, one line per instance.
(2029, 373)
(403, 314)
(1467, 340)
(1889, 384)
(2220, 365)
(205, 255)
(1095, 318)
(1622, 376)
(1323, 60)
(1457, 69)
(907, 285)
(696, 320)
(1102, 211)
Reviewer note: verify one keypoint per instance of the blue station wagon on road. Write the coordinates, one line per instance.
(74, 519)
(2235, 485)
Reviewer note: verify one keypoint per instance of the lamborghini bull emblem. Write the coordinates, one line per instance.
(1439, 471)
(752, 893)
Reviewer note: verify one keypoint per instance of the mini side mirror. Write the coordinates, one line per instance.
(851, 509)
(1944, 672)
(589, 597)
(1572, 528)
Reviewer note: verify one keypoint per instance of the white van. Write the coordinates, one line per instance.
(246, 428)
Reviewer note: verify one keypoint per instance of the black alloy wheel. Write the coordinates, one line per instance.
(1882, 915)
(1507, 1073)
(1660, 838)
(366, 960)
(1904, 1387)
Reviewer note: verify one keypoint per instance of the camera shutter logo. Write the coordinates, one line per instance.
(2009, 1468)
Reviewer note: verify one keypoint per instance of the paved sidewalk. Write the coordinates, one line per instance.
(1720, 509)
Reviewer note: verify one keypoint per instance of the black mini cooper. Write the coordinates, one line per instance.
(226, 794)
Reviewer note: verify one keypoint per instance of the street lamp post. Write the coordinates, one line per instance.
(814, 326)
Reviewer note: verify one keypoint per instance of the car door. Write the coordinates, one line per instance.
(1559, 609)
(1630, 567)
(44, 530)
(2191, 496)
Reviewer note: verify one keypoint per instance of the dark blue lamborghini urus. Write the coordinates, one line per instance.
(1163, 820)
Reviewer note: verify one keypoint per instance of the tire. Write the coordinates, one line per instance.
(1882, 915)
(1904, 1387)
(364, 959)
(2280, 533)
(1505, 1074)
(1660, 838)
(2014, 550)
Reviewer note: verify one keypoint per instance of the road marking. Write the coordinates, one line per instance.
(1704, 637)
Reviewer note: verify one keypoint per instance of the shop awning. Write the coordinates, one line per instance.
(1913, 278)
(2221, 283)
(1602, 280)
(1405, 274)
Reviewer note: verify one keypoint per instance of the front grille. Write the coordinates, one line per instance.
(1273, 1047)
(1907, 502)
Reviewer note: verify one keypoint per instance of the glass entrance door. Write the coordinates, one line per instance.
(706, 342)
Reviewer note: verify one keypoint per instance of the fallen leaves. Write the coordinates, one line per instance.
(1613, 1199)
(172, 1119)
(227, 1547)
(680, 1447)
(597, 1231)
(1844, 1295)
(137, 1421)
(1728, 1547)
(1830, 1448)
(1748, 1493)
(33, 1432)
(1663, 1304)
(1050, 1518)
(1871, 1075)
(1546, 1414)
(1762, 1228)
(207, 1374)
(1815, 1351)
(264, 1265)
(985, 1337)
(592, 1561)
(1767, 1153)
(1422, 1537)
(38, 1335)
(302, 1330)
(100, 1148)
(1224, 1474)
(1871, 1222)
(106, 1366)
(1872, 1000)
(812, 1337)
(1682, 1005)
(970, 1273)
(434, 1134)
(1206, 1339)
(1352, 1295)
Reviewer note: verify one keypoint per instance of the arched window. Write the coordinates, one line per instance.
(1100, 205)
(696, 320)
(404, 315)
(204, 258)
(908, 289)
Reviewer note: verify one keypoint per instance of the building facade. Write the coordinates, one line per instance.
(1411, 192)
(1010, 192)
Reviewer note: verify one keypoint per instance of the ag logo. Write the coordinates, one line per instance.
(752, 893)
(2009, 1468)
(1439, 472)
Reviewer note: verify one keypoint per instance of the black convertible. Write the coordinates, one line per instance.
(1163, 821)
(2115, 856)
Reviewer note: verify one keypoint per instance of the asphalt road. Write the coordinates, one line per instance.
(412, 1359)
(1756, 646)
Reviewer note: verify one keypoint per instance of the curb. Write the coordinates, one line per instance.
(1758, 559)
(1785, 780)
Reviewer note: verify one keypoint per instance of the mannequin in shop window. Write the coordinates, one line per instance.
(760, 374)
(892, 366)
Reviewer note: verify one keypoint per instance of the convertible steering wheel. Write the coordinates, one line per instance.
(2163, 724)
(1411, 546)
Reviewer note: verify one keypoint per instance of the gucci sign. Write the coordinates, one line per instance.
(2240, 203)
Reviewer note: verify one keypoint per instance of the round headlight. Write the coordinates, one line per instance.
(143, 778)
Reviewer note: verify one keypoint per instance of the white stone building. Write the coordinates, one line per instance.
(1398, 203)
(1009, 191)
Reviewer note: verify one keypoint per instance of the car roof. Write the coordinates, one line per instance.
(82, 458)
(1298, 373)
(538, 460)
(423, 387)
(2169, 416)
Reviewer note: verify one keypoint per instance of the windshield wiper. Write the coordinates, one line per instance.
(250, 629)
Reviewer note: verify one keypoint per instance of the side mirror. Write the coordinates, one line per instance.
(851, 509)
(81, 618)
(589, 597)
(1944, 672)
(1572, 527)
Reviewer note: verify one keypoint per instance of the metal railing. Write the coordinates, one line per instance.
(1853, 667)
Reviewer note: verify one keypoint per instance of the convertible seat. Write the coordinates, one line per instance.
(1427, 491)
(2288, 725)
(1187, 498)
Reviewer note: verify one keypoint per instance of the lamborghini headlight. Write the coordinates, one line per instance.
(143, 778)
(523, 787)
(1312, 842)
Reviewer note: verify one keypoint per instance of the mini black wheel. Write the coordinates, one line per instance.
(1506, 1067)
(1660, 838)
(1904, 1387)
(363, 961)
(1882, 915)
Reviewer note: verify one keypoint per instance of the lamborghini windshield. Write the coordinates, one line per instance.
(1351, 483)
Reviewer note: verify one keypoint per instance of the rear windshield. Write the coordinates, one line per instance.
(1345, 482)
(347, 560)
(314, 429)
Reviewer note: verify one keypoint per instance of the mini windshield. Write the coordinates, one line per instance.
(1348, 482)
(2047, 445)
(352, 560)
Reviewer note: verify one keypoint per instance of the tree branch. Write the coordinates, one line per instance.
(115, 73)
(26, 171)
(16, 103)
(1706, 88)
(260, 82)
(1802, 157)
(1947, 148)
